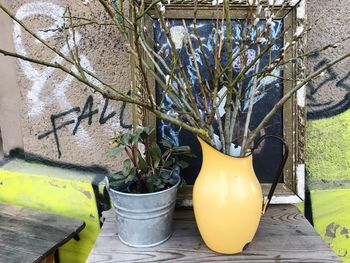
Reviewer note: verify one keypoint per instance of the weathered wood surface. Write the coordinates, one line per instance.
(284, 235)
(30, 236)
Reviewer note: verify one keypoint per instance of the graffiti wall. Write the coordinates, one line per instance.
(60, 118)
(328, 137)
(58, 129)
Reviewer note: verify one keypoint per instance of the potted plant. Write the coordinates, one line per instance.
(143, 192)
(218, 108)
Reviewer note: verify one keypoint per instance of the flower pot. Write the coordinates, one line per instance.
(144, 220)
(227, 200)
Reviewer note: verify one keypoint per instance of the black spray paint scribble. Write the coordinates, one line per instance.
(87, 113)
(334, 232)
(328, 97)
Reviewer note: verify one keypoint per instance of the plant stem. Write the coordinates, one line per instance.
(250, 107)
(230, 86)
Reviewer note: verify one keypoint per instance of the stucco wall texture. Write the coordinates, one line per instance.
(328, 129)
(48, 97)
(37, 97)
(329, 97)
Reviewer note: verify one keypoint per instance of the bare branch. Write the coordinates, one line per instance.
(288, 95)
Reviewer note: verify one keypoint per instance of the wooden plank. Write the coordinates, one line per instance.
(284, 235)
(19, 243)
(27, 235)
(8, 255)
(33, 228)
(38, 216)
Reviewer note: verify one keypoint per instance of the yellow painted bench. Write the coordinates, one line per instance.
(56, 190)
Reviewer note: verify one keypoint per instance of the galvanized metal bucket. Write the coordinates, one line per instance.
(144, 220)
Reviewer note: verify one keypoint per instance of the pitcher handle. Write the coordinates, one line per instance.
(280, 169)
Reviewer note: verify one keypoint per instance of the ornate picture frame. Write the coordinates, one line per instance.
(292, 189)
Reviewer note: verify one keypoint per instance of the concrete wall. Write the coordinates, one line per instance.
(33, 97)
(328, 129)
(10, 127)
(36, 105)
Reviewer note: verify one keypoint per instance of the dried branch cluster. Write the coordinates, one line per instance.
(210, 105)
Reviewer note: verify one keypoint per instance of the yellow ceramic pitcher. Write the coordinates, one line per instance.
(227, 199)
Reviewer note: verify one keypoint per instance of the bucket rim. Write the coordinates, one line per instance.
(146, 194)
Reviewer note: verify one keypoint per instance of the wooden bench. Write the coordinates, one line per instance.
(284, 235)
(27, 235)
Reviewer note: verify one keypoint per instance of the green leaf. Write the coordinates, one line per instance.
(184, 148)
(148, 130)
(139, 130)
(135, 139)
(116, 183)
(156, 154)
(182, 164)
(115, 151)
(190, 155)
(126, 167)
(166, 143)
(127, 139)
(150, 186)
(117, 176)
(172, 181)
(143, 132)
(142, 164)
(132, 175)
(169, 163)
(165, 174)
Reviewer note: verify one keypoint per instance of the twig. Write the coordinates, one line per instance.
(230, 85)
(250, 107)
(288, 95)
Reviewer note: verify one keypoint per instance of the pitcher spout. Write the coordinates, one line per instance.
(211, 154)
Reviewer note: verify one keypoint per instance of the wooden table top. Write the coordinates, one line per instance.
(284, 235)
(27, 235)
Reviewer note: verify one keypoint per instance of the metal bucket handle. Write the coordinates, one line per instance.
(279, 171)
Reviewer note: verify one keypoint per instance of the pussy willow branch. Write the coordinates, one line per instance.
(74, 53)
(281, 62)
(176, 58)
(230, 86)
(120, 10)
(200, 43)
(57, 52)
(111, 12)
(192, 122)
(136, 37)
(144, 11)
(288, 95)
(253, 62)
(250, 106)
(76, 25)
(219, 38)
(199, 76)
(240, 77)
(176, 95)
(108, 94)
(168, 89)
(151, 54)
